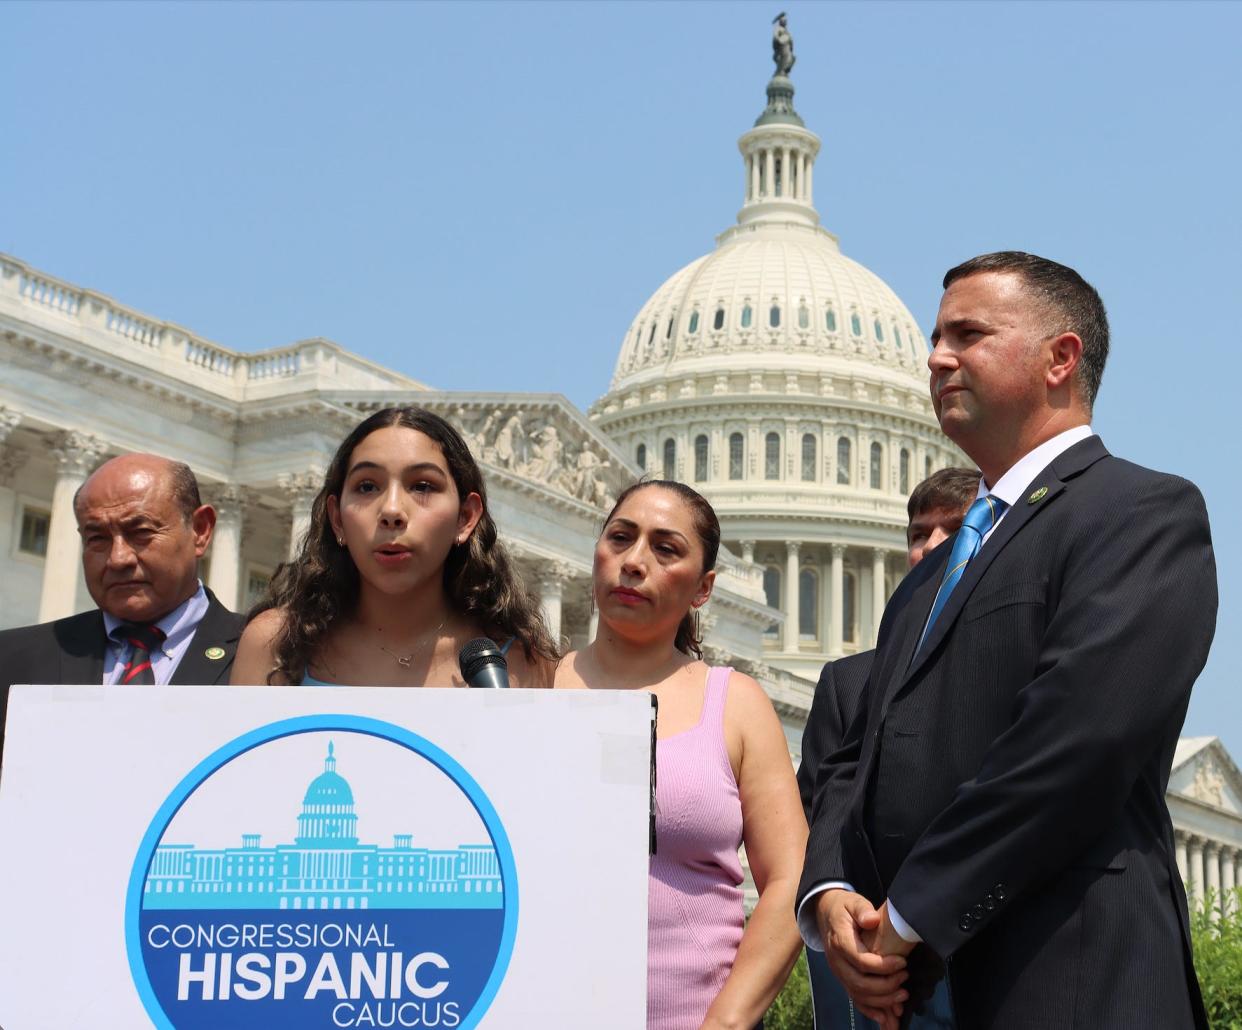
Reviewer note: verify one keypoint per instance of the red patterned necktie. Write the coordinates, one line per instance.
(143, 639)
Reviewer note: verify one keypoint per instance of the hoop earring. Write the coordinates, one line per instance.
(698, 635)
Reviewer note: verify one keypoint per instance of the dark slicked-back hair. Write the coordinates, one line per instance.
(1074, 305)
(947, 490)
(706, 527)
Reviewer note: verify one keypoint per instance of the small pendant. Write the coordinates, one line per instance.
(404, 662)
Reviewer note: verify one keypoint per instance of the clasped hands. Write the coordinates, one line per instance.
(865, 953)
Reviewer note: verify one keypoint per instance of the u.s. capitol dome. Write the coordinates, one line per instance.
(789, 384)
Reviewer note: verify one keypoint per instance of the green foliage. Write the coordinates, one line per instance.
(1218, 957)
(792, 1008)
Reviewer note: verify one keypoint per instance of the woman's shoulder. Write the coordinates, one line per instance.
(746, 699)
(263, 627)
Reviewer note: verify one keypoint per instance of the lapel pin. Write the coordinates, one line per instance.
(214, 653)
(1038, 495)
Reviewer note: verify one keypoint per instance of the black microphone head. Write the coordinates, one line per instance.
(476, 655)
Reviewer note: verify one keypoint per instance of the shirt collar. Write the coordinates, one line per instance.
(1012, 485)
(177, 624)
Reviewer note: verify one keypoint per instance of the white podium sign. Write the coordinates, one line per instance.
(198, 858)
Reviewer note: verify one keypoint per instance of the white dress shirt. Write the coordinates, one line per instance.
(1010, 488)
(178, 626)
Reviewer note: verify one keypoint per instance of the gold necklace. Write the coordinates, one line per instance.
(405, 660)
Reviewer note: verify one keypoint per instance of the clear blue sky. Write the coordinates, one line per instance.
(483, 195)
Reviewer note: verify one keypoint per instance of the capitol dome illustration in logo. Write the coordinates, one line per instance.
(388, 898)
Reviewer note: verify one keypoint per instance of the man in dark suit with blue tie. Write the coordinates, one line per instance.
(998, 808)
(935, 511)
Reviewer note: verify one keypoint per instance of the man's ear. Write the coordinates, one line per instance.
(202, 524)
(468, 517)
(1065, 354)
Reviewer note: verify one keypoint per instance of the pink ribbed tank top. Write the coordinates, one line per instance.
(694, 902)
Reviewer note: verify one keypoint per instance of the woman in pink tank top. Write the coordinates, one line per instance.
(723, 773)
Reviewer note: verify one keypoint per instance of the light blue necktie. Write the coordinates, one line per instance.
(979, 520)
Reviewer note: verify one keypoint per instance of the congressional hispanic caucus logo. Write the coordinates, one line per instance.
(323, 871)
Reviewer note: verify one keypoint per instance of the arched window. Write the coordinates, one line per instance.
(877, 462)
(856, 324)
(736, 455)
(747, 316)
(700, 458)
(772, 593)
(804, 318)
(640, 456)
(774, 316)
(718, 321)
(772, 456)
(830, 320)
(927, 466)
(670, 458)
(879, 331)
(808, 605)
(808, 458)
(896, 337)
(904, 471)
(651, 335)
(848, 594)
(844, 460)
(668, 333)
(694, 322)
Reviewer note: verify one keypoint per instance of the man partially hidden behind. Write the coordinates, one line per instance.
(144, 529)
(998, 808)
(935, 511)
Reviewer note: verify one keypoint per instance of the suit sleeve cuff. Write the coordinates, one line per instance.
(808, 925)
(904, 930)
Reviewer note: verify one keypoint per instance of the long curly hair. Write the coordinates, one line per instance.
(322, 584)
(706, 527)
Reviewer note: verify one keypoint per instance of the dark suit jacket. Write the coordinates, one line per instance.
(838, 697)
(1005, 787)
(72, 650)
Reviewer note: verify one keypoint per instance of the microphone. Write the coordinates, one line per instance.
(482, 664)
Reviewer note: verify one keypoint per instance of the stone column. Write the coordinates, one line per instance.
(879, 588)
(224, 580)
(1194, 886)
(790, 637)
(748, 550)
(804, 162)
(769, 171)
(837, 609)
(1182, 870)
(786, 174)
(1228, 879)
(810, 180)
(300, 488)
(1211, 872)
(76, 455)
(552, 580)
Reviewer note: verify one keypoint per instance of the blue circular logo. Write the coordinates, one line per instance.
(323, 871)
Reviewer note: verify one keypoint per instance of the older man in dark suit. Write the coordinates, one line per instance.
(144, 529)
(999, 808)
(935, 510)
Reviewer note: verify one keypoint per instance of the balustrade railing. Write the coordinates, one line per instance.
(50, 294)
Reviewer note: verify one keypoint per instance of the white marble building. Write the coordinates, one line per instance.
(781, 378)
